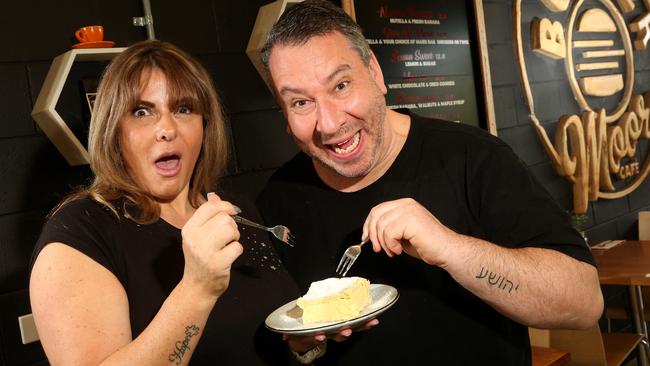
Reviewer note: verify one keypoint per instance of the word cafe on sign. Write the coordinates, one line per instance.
(601, 146)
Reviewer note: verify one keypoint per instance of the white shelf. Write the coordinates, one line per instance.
(44, 111)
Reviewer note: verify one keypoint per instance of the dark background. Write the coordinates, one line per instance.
(34, 175)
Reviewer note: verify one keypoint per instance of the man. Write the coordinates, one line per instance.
(487, 250)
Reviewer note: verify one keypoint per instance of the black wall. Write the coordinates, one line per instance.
(34, 175)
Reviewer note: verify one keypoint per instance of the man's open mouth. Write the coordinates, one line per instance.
(348, 145)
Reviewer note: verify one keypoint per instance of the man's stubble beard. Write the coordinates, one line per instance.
(379, 116)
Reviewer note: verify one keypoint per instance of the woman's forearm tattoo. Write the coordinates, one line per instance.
(497, 280)
(182, 346)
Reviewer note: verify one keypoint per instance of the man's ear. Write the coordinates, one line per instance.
(376, 73)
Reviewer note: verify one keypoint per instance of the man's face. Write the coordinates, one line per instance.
(333, 103)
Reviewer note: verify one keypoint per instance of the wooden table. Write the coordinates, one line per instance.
(544, 356)
(628, 264)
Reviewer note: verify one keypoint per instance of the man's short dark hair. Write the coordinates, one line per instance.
(302, 21)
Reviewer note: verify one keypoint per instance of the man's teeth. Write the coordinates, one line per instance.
(353, 145)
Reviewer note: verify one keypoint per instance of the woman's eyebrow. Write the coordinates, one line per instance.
(185, 100)
(143, 103)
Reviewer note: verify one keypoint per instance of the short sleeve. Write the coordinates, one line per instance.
(85, 225)
(515, 210)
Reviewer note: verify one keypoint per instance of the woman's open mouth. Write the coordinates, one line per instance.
(168, 165)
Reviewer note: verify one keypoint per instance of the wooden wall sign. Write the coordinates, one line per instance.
(603, 148)
(433, 55)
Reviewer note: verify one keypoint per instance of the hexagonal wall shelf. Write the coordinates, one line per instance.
(267, 15)
(44, 111)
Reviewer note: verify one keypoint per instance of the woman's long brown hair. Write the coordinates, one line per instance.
(119, 90)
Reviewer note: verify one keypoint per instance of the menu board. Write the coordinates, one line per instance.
(425, 52)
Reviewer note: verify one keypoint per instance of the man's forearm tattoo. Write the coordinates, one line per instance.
(497, 280)
(182, 346)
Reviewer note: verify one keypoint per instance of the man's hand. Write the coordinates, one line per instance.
(405, 225)
(302, 344)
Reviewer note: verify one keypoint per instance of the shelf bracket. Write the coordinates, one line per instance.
(146, 20)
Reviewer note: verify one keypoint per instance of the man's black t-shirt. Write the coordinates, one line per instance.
(474, 184)
(148, 261)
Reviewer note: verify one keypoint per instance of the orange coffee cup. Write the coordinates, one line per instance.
(91, 33)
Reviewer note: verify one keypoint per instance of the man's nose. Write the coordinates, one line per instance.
(166, 127)
(330, 116)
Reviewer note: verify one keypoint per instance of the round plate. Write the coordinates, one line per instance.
(287, 319)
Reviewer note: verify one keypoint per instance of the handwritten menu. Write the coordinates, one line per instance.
(425, 52)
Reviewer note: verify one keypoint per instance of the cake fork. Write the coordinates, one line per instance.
(349, 257)
(279, 231)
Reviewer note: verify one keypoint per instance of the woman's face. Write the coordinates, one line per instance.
(160, 139)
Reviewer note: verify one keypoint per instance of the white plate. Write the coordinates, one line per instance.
(287, 318)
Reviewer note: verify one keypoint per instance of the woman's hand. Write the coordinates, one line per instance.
(210, 246)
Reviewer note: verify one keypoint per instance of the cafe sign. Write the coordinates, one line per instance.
(598, 149)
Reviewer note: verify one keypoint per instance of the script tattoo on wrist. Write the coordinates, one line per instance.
(497, 280)
(182, 346)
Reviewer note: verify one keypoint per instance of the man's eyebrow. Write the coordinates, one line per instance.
(287, 90)
(342, 68)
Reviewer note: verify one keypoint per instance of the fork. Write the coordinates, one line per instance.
(279, 231)
(349, 256)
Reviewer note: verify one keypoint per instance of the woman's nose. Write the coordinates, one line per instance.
(166, 128)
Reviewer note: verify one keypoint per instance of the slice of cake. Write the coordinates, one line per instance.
(334, 299)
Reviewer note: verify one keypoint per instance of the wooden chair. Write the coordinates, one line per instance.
(620, 312)
(644, 225)
(588, 347)
(546, 356)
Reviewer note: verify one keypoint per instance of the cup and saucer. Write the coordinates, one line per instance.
(91, 36)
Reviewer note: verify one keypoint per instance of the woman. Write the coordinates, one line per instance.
(134, 268)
